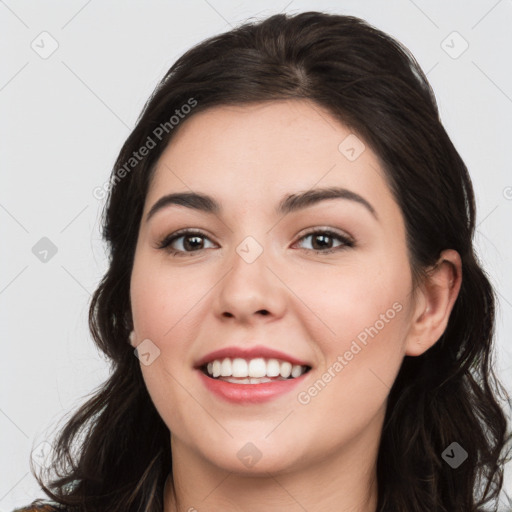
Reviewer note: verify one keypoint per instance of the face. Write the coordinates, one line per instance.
(321, 285)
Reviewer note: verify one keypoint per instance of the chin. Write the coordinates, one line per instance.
(252, 454)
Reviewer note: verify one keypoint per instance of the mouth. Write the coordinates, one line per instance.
(257, 370)
(251, 374)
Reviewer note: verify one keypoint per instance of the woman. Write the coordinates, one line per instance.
(290, 231)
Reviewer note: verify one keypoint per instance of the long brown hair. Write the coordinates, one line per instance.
(114, 452)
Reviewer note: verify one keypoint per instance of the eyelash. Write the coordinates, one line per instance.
(184, 233)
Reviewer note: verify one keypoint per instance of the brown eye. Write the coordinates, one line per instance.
(322, 241)
(191, 241)
(187, 242)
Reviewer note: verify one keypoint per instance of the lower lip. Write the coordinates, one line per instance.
(250, 393)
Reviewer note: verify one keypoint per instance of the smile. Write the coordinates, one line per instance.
(249, 375)
(253, 371)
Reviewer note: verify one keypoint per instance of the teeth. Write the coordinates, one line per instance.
(216, 366)
(296, 371)
(273, 368)
(247, 380)
(286, 369)
(254, 371)
(239, 367)
(226, 368)
(257, 367)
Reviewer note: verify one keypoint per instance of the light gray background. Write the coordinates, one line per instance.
(65, 117)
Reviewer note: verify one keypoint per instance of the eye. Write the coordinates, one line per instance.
(322, 238)
(191, 240)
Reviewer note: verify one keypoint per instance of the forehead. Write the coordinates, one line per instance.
(257, 153)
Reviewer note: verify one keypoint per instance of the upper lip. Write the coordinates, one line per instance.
(249, 353)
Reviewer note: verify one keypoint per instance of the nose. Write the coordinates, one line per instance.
(251, 292)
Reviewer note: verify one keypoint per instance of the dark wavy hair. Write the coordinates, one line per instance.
(114, 453)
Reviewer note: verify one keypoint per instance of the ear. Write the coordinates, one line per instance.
(434, 303)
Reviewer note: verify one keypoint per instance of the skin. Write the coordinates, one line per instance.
(319, 455)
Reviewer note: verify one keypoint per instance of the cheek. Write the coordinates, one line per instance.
(160, 303)
(362, 358)
(161, 299)
(364, 311)
(356, 301)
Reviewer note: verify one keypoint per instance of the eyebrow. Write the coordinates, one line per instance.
(290, 203)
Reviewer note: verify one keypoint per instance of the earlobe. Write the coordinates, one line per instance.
(436, 299)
